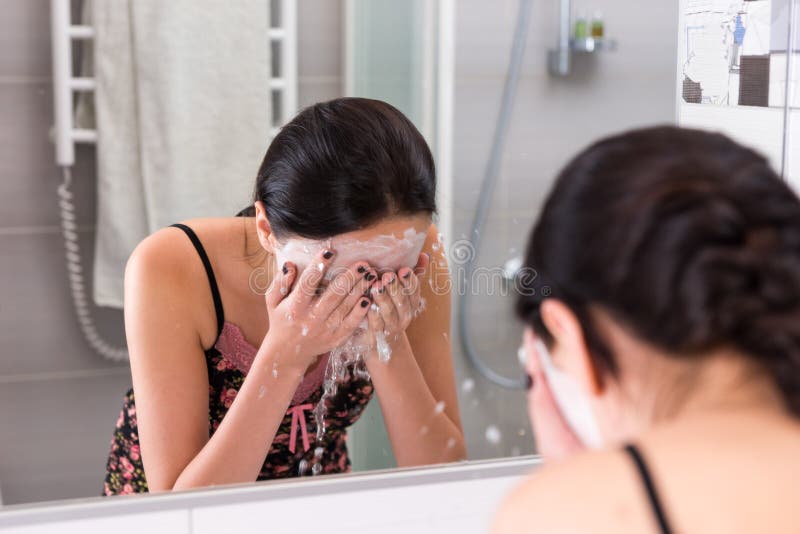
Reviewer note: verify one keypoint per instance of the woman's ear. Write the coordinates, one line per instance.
(570, 351)
(263, 228)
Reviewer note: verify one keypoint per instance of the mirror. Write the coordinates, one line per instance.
(162, 114)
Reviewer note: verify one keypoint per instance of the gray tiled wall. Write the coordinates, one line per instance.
(553, 119)
(59, 400)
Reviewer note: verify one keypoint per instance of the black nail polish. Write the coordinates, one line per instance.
(370, 277)
(528, 382)
(382, 290)
(285, 269)
(408, 273)
(364, 303)
(328, 255)
(361, 269)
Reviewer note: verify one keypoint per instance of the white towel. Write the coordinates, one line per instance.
(183, 115)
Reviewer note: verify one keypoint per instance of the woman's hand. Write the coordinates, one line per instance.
(306, 320)
(555, 440)
(397, 299)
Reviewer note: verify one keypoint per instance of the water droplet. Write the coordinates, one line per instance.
(467, 385)
(262, 391)
(321, 266)
(317, 469)
(493, 435)
(435, 247)
(382, 346)
(424, 430)
(318, 452)
(275, 370)
(451, 443)
(439, 407)
(302, 467)
(284, 291)
(374, 307)
(445, 336)
(521, 432)
(304, 332)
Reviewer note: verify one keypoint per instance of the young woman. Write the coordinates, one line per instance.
(229, 348)
(664, 325)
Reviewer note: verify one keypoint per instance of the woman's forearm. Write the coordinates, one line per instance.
(419, 429)
(236, 451)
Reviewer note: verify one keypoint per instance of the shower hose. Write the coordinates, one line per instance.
(485, 199)
(77, 282)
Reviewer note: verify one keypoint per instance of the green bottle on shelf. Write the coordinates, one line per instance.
(581, 27)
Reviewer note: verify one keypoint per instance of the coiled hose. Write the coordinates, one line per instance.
(80, 301)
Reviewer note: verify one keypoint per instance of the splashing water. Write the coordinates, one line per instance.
(346, 359)
(467, 385)
(493, 435)
(421, 308)
(384, 350)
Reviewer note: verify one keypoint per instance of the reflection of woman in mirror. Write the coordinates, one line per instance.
(229, 347)
(664, 337)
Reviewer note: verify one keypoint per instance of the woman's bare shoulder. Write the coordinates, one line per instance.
(591, 492)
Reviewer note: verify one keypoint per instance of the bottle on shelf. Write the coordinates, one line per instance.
(581, 27)
(598, 27)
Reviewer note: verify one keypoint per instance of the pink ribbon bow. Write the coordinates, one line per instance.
(298, 413)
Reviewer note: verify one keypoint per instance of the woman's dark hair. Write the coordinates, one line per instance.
(342, 165)
(687, 238)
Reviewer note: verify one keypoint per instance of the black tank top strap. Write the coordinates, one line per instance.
(649, 486)
(212, 281)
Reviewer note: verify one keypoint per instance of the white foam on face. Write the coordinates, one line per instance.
(384, 252)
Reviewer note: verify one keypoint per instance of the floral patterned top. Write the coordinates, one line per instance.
(295, 450)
